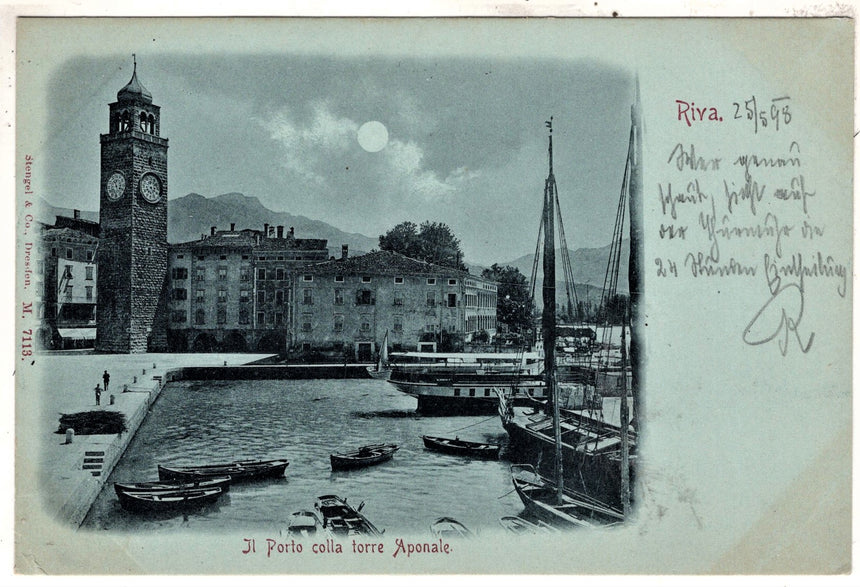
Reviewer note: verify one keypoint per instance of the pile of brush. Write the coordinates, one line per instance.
(94, 422)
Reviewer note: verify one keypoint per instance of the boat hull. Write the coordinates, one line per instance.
(341, 519)
(461, 447)
(222, 483)
(168, 501)
(363, 457)
(237, 471)
(475, 397)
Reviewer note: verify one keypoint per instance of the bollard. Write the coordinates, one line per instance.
(125, 388)
(134, 380)
(144, 372)
(153, 365)
(112, 399)
(70, 435)
(225, 363)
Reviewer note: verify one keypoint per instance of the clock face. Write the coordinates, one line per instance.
(115, 186)
(150, 188)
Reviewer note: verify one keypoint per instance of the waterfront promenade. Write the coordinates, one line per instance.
(59, 480)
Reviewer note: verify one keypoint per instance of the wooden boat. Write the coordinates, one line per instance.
(456, 446)
(450, 528)
(342, 519)
(237, 471)
(172, 486)
(519, 526)
(167, 500)
(371, 454)
(540, 496)
(305, 524)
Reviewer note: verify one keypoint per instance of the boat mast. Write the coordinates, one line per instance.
(636, 256)
(548, 315)
(625, 419)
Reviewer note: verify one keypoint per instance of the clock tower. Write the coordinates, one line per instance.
(132, 253)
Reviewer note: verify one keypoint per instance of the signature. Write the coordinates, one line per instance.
(779, 318)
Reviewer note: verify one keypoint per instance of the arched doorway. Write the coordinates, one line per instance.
(234, 342)
(204, 343)
(271, 342)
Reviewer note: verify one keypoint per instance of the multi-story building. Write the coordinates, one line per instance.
(230, 290)
(349, 304)
(66, 279)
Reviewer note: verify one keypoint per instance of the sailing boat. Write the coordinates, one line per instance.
(382, 369)
(578, 437)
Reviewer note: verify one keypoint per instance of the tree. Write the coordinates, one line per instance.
(432, 242)
(514, 306)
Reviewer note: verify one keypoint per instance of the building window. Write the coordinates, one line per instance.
(471, 392)
(245, 274)
(398, 299)
(307, 277)
(431, 298)
(307, 297)
(398, 324)
(179, 273)
(338, 278)
(365, 279)
(452, 282)
(279, 274)
(201, 295)
(261, 318)
(365, 324)
(452, 300)
(180, 293)
(223, 257)
(200, 316)
(338, 297)
(222, 273)
(306, 323)
(279, 319)
(180, 256)
(279, 298)
(431, 281)
(222, 296)
(456, 392)
(244, 316)
(364, 297)
(201, 258)
(244, 295)
(179, 317)
(89, 290)
(68, 253)
(89, 255)
(261, 297)
(338, 322)
(261, 274)
(430, 328)
(244, 257)
(201, 274)
(221, 316)
(398, 280)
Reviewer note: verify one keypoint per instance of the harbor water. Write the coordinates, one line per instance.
(304, 421)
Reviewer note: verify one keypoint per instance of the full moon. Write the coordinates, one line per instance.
(372, 136)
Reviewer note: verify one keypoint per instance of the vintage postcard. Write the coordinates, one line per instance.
(417, 296)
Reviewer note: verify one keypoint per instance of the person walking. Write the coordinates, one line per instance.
(106, 379)
(98, 395)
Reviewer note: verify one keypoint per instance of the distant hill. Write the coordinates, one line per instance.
(190, 216)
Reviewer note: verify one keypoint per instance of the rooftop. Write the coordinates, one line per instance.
(385, 263)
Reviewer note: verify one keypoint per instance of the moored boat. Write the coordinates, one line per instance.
(237, 471)
(540, 497)
(450, 528)
(462, 447)
(364, 456)
(171, 486)
(381, 370)
(305, 524)
(168, 500)
(342, 519)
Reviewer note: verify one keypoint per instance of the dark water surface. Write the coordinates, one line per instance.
(198, 422)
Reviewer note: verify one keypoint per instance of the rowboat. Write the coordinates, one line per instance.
(237, 471)
(362, 457)
(519, 526)
(342, 519)
(172, 486)
(305, 524)
(540, 496)
(168, 500)
(456, 446)
(449, 528)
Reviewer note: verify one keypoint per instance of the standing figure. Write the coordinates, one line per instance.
(106, 379)
(98, 395)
